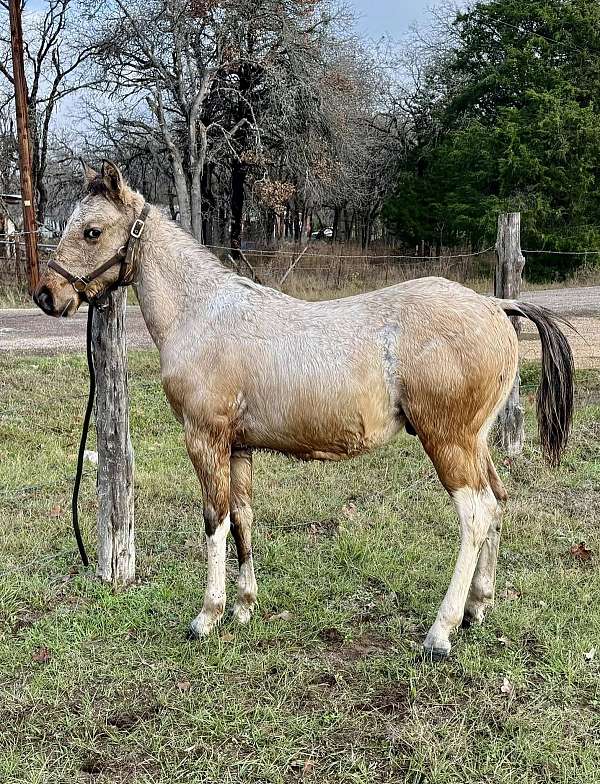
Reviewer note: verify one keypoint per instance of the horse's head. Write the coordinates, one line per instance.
(96, 231)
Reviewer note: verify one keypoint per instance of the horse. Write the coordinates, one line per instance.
(246, 368)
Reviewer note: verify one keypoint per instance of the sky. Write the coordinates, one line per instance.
(391, 18)
(376, 18)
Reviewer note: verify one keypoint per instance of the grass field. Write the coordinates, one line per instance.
(326, 684)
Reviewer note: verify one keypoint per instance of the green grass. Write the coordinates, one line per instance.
(334, 692)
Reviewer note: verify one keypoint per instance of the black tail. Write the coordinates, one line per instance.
(555, 393)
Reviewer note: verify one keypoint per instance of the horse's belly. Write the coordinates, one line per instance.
(322, 430)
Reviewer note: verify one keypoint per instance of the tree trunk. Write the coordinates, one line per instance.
(296, 224)
(238, 180)
(42, 201)
(336, 223)
(183, 198)
(208, 200)
(172, 211)
(196, 203)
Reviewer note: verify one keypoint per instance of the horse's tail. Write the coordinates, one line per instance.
(555, 392)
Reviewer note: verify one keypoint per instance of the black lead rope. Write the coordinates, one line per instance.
(84, 434)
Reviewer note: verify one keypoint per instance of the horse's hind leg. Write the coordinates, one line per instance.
(483, 586)
(462, 470)
(241, 526)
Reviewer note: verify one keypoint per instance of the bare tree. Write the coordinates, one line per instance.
(262, 109)
(54, 60)
(199, 83)
(9, 156)
(162, 62)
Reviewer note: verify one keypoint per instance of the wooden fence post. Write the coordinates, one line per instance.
(116, 547)
(507, 285)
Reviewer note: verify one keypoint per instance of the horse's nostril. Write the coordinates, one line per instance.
(43, 299)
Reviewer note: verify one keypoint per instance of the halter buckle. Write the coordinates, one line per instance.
(80, 285)
(137, 228)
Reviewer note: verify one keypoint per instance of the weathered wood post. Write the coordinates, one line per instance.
(507, 285)
(116, 547)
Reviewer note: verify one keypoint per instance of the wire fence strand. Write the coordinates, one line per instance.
(563, 252)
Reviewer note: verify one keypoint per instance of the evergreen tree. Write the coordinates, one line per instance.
(513, 124)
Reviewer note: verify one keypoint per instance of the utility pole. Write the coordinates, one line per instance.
(20, 84)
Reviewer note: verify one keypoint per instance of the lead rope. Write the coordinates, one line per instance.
(84, 434)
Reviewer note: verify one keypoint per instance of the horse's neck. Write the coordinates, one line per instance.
(173, 274)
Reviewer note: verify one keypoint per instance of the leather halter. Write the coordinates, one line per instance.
(124, 257)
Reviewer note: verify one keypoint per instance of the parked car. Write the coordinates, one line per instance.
(322, 234)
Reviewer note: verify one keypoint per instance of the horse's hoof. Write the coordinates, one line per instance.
(201, 627)
(435, 654)
(242, 613)
(474, 615)
(436, 649)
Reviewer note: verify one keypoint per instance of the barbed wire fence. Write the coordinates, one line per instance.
(324, 271)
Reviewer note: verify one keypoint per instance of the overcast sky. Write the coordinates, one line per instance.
(389, 17)
(375, 17)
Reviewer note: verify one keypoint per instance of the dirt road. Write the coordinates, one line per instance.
(29, 331)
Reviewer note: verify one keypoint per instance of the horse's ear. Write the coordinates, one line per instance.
(113, 179)
(89, 174)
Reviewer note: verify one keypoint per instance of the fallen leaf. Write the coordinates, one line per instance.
(590, 655)
(184, 686)
(510, 592)
(56, 511)
(581, 552)
(285, 615)
(504, 641)
(228, 637)
(507, 688)
(349, 510)
(305, 768)
(41, 656)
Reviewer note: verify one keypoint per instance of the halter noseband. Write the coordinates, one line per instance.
(123, 257)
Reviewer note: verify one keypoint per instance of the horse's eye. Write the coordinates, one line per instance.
(92, 234)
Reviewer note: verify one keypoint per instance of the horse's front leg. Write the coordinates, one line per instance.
(209, 452)
(241, 524)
